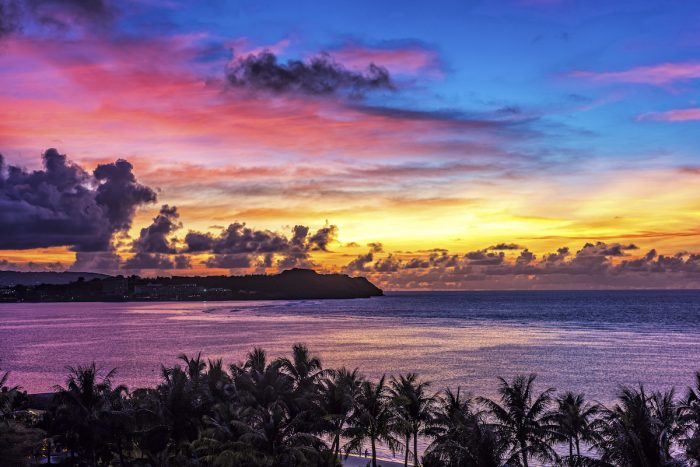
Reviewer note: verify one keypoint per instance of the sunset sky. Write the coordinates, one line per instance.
(466, 144)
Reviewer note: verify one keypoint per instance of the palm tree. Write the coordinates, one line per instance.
(8, 397)
(304, 369)
(690, 417)
(371, 419)
(194, 368)
(414, 406)
(461, 437)
(305, 372)
(521, 419)
(668, 417)
(118, 419)
(20, 441)
(256, 425)
(573, 421)
(218, 381)
(82, 406)
(336, 402)
(631, 433)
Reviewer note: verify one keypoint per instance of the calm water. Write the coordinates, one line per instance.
(587, 341)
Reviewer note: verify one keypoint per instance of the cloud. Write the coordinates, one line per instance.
(604, 249)
(319, 76)
(96, 261)
(525, 257)
(323, 237)
(66, 14)
(417, 263)
(236, 238)
(119, 192)
(225, 261)
(9, 17)
(403, 57)
(239, 246)
(388, 264)
(674, 115)
(505, 246)
(657, 75)
(154, 248)
(484, 257)
(376, 247)
(63, 205)
(149, 261)
(59, 15)
(360, 263)
(154, 238)
(594, 265)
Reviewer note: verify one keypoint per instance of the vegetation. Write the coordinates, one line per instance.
(292, 412)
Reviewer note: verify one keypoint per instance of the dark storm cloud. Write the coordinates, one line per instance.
(237, 238)
(149, 261)
(238, 244)
(417, 263)
(324, 236)
(594, 264)
(155, 237)
(525, 257)
(505, 246)
(225, 261)
(119, 192)
(96, 261)
(559, 256)
(360, 263)
(603, 249)
(443, 258)
(376, 247)
(388, 264)
(63, 205)
(182, 262)
(484, 258)
(321, 75)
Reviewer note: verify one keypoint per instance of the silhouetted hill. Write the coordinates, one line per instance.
(289, 285)
(9, 278)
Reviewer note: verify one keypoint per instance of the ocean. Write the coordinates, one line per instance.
(586, 341)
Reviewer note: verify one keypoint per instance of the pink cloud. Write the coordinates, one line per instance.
(658, 75)
(243, 47)
(675, 115)
(89, 94)
(410, 59)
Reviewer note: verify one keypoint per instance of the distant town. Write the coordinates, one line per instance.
(288, 285)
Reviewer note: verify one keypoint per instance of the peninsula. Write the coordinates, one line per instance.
(292, 284)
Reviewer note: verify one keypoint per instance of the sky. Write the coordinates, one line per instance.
(512, 144)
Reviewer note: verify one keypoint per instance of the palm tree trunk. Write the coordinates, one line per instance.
(408, 448)
(523, 452)
(578, 448)
(374, 452)
(122, 462)
(336, 446)
(571, 448)
(415, 448)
